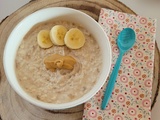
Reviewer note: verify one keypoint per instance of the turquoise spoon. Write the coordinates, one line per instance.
(125, 41)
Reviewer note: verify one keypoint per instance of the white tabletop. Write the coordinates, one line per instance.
(148, 8)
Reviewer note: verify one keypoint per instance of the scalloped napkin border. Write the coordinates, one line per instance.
(131, 97)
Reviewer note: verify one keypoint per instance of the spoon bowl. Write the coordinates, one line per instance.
(125, 41)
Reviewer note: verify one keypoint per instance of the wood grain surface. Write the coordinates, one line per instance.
(12, 106)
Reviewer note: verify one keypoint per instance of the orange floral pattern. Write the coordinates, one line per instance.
(131, 98)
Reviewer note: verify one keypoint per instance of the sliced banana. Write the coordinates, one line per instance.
(57, 34)
(74, 38)
(43, 39)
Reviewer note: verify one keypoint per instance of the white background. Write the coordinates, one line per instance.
(148, 8)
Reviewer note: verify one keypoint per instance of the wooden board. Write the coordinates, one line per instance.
(12, 106)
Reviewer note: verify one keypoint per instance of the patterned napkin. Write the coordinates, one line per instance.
(131, 97)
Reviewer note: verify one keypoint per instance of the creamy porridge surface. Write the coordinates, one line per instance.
(60, 86)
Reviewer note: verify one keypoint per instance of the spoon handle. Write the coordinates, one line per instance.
(111, 82)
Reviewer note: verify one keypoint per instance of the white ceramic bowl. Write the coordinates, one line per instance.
(69, 14)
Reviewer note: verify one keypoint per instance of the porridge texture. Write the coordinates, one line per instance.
(62, 85)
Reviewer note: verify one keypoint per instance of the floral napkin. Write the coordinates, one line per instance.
(131, 97)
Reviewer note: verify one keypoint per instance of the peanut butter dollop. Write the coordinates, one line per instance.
(56, 61)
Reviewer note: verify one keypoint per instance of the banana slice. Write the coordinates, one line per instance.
(43, 39)
(57, 34)
(74, 38)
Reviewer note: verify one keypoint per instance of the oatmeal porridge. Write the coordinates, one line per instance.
(62, 85)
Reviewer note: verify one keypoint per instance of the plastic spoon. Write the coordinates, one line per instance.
(125, 41)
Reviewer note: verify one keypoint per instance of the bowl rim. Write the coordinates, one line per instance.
(51, 106)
